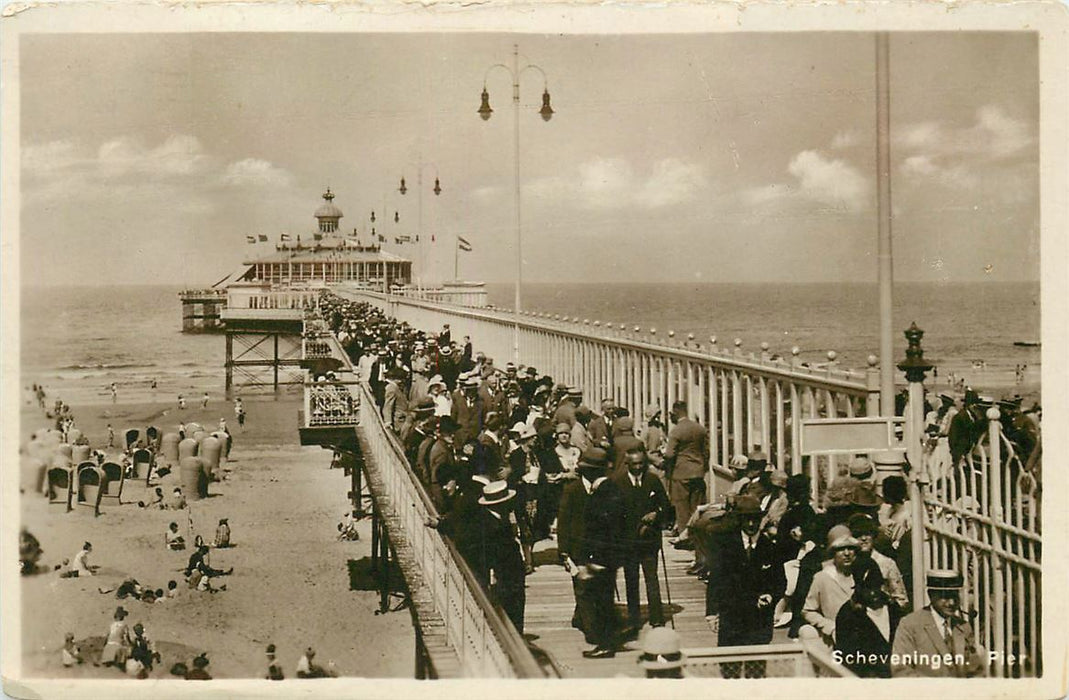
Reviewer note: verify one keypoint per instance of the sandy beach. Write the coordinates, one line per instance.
(291, 584)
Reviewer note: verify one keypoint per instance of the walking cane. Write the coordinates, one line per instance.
(667, 588)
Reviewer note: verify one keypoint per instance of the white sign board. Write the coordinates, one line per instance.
(850, 435)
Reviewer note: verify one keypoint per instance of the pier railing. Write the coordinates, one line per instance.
(485, 641)
(750, 400)
(982, 517)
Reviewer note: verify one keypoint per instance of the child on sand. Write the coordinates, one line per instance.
(71, 653)
(175, 541)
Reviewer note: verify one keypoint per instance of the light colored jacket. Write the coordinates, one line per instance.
(827, 594)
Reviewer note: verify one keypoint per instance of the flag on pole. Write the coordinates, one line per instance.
(250, 239)
(463, 244)
(284, 237)
(263, 238)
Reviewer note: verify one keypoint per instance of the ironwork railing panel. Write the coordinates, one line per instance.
(982, 518)
(795, 660)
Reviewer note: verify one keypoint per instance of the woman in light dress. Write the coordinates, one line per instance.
(119, 642)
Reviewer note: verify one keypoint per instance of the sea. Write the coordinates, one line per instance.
(77, 341)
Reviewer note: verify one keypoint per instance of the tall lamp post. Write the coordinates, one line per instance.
(515, 71)
(420, 165)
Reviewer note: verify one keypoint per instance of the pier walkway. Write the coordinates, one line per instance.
(749, 400)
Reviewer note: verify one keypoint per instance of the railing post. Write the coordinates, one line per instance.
(872, 383)
(915, 367)
(995, 513)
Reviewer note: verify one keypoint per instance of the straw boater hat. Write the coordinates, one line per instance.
(471, 382)
(479, 478)
(436, 380)
(445, 351)
(739, 462)
(660, 650)
(839, 537)
(574, 391)
(944, 580)
(496, 492)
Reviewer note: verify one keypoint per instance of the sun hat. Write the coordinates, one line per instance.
(563, 428)
(496, 492)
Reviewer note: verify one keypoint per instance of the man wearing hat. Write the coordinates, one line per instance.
(395, 402)
(581, 437)
(833, 585)
(274, 670)
(565, 413)
(377, 380)
(499, 552)
(468, 410)
(492, 396)
(686, 461)
(441, 468)
(744, 583)
(448, 365)
(419, 426)
(937, 641)
(589, 525)
(624, 441)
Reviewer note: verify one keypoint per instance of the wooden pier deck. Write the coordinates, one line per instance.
(550, 603)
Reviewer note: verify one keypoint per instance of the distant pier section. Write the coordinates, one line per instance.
(201, 310)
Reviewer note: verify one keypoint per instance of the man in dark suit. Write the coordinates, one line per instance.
(686, 461)
(746, 582)
(499, 552)
(468, 411)
(443, 471)
(377, 380)
(647, 512)
(600, 427)
(592, 550)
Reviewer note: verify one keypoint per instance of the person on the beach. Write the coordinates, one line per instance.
(307, 668)
(71, 654)
(118, 641)
(111, 436)
(199, 672)
(29, 552)
(181, 402)
(199, 573)
(222, 534)
(79, 565)
(175, 541)
(239, 412)
(274, 671)
(114, 392)
(177, 501)
(204, 400)
(142, 654)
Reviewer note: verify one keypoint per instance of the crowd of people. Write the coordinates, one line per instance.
(510, 457)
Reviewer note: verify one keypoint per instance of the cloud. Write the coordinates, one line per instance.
(256, 172)
(989, 152)
(613, 183)
(817, 179)
(178, 156)
(993, 135)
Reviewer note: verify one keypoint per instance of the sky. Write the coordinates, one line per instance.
(739, 157)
